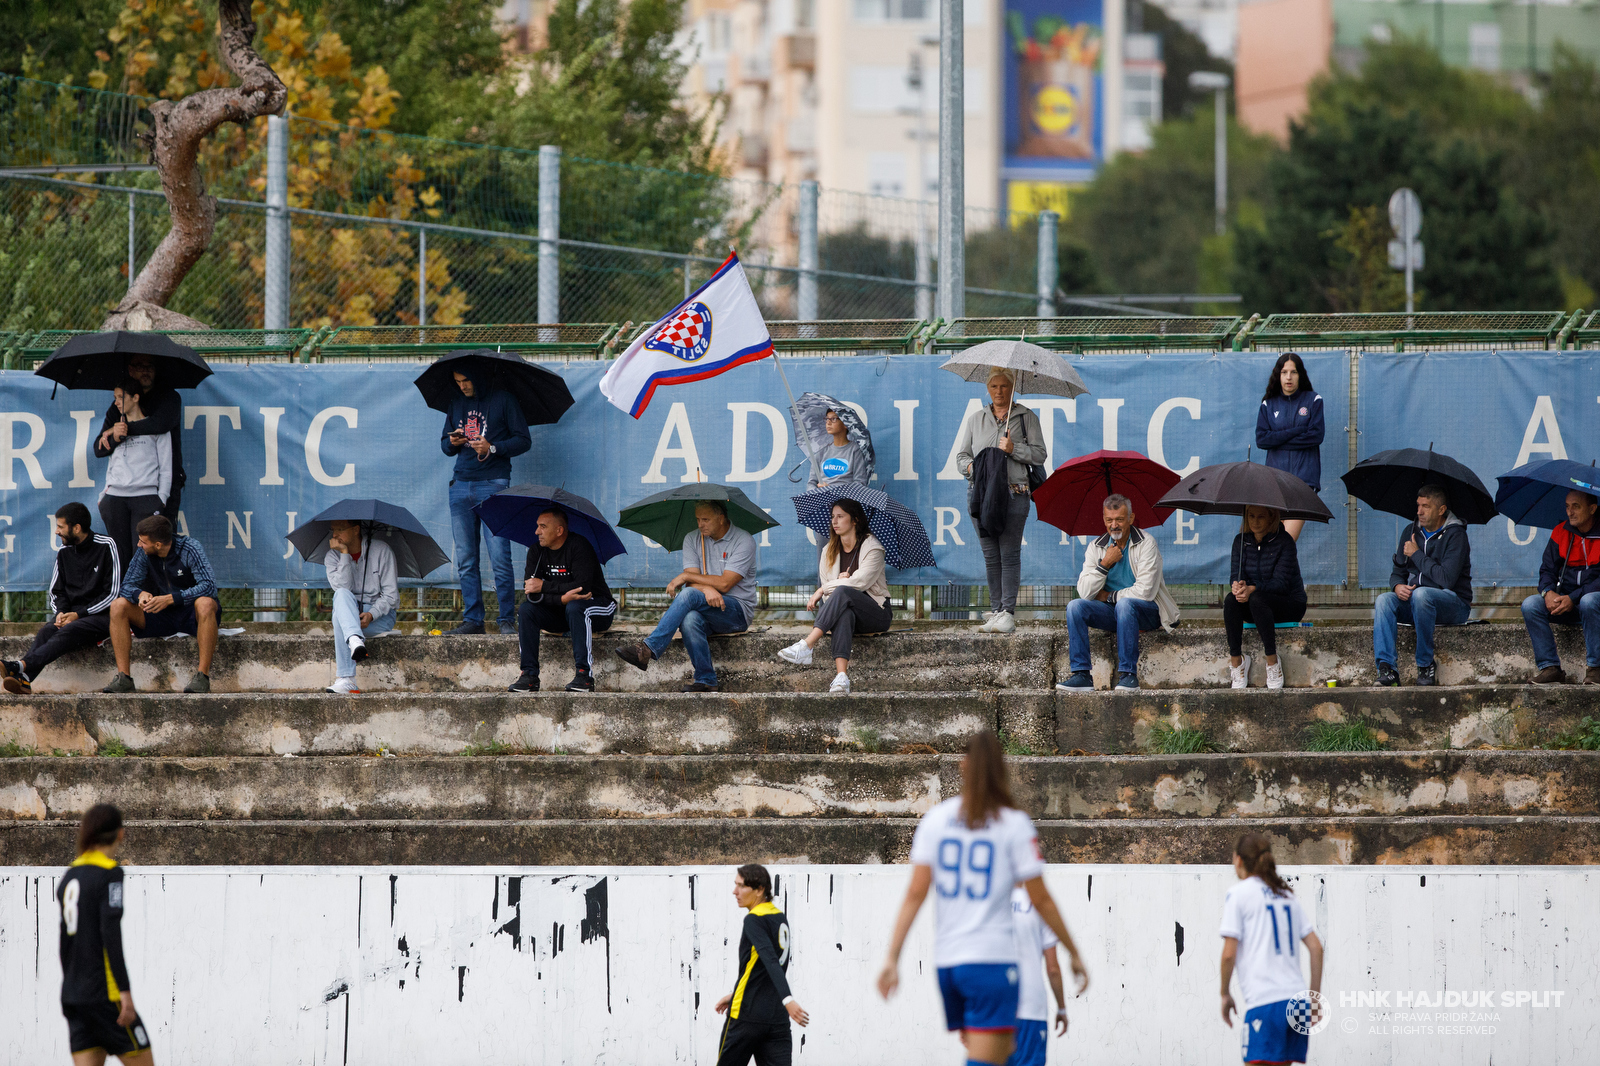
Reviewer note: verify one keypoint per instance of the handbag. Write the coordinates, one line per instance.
(1036, 471)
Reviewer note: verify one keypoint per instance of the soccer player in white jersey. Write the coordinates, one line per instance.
(972, 850)
(1035, 943)
(1263, 931)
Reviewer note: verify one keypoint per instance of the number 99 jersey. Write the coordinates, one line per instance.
(973, 874)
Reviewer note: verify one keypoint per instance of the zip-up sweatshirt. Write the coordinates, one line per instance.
(85, 577)
(1443, 562)
(1571, 564)
(1291, 429)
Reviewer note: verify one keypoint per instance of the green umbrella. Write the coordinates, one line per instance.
(668, 517)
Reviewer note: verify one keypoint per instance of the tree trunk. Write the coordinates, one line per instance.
(179, 127)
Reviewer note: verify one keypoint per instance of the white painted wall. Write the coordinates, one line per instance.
(245, 966)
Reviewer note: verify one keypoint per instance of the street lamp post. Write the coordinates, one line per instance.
(1218, 83)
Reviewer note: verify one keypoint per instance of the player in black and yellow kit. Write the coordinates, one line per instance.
(94, 977)
(760, 1005)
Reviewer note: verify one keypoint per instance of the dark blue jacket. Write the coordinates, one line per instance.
(1271, 565)
(490, 414)
(1290, 430)
(1444, 562)
(1571, 564)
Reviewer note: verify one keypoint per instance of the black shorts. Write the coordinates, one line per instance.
(769, 1044)
(175, 619)
(94, 1025)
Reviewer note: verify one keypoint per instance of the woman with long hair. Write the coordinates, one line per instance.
(1266, 589)
(1263, 930)
(1289, 426)
(972, 850)
(853, 594)
(95, 998)
(139, 475)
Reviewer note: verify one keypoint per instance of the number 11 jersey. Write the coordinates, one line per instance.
(973, 874)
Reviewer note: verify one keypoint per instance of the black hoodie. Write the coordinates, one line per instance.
(86, 577)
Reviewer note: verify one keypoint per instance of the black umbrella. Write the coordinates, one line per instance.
(541, 394)
(416, 554)
(514, 512)
(1389, 482)
(100, 361)
(668, 517)
(1228, 488)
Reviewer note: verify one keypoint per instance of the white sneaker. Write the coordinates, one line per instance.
(1275, 674)
(798, 653)
(343, 686)
(840, 686)
(988, 623)
(358, 647)
(1004, 622)
(1240, 675)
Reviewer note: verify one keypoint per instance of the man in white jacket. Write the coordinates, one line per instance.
(1121, 590)
(366, 592)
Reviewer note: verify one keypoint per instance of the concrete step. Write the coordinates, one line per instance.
(1435, 840)
(1042, 721)
(937, 658)
(801, 786)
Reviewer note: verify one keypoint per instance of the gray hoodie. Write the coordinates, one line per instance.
(371, 579)
(141, 466)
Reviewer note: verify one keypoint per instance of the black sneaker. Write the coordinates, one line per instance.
(121, 683)
(528, 682)
(1428, 675)
(636, 654)
(582, 681)
(701, 686)
(12, 679)
(1080, 681)
(1127, 682)
(1388, 676)
(465, 629)
(199, 683)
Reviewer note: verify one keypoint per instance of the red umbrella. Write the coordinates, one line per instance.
(1070, 498)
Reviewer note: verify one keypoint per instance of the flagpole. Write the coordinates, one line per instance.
(799, 423)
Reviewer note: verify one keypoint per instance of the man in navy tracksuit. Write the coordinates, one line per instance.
(1569, 592)
(1431, 584)
(483, 430)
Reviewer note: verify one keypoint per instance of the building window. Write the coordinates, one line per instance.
(893, 10)
(886, 173)
(1483, 44)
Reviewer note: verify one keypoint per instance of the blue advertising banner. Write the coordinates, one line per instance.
(1492, 411)
(1054, 90)
(268, 446)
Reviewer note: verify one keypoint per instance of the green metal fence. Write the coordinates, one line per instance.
(1422, 331)
(584, 340)
(216, 345)
(1094, 334)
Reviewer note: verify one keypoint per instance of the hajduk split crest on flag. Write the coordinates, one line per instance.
(716, 329)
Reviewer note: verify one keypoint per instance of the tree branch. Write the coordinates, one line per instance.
(179, 127)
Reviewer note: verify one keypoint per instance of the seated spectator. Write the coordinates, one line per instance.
(366, 592)
(719, 595)
(853, 594)
(1569, 592)
(566, 592)
(1121, 590)
(161, 408)
(1432, 582)
(139, 477)
(167, 590)
(82, 586)
(843, 460)
(1267, 589)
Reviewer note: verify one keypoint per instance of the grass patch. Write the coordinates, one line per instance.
(1013, 746)
(492, 747)
(868, 740)
(1584, 738)
(1348, 736)
(12, 750)
(112, 748)
(1179, 740)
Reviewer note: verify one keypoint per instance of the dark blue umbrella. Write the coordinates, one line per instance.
(515, 512)
(1535, 494)
(897, 527)
(416, 554)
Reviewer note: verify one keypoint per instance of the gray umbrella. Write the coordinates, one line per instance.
(813, 408)
(1038, 370)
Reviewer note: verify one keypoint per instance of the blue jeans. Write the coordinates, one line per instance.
(464, 496)
(347, 623)
(1537, 617)
(1127, 618)
(1425, 609)
(690, 613)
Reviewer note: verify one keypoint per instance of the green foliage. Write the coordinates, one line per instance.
(1013, 745)
(489, 747)
(1586, 737)
(52, 41)
(12, 750)
(113, 748)
(1183, 53)
(1558, 168)
(1348, 736)
(1361, 279)
(1167, 739)
(867, 739)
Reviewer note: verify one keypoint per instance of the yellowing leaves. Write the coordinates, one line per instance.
(375, 106)
(331, 58)
(288, 37)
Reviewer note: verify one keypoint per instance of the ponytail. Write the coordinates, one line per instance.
(1255, 852)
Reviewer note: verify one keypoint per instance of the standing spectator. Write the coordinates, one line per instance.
(843, 460)
(163, 410)
(719, 594)
(140, 475)
(82, 586)
(1122, 590)
(566, 592)
(1289, 427)
(1266, 589)
(366, 593)
(483, 430)
(181, 598)
(1432, 583)
(998, 494)
(853, 594)
(1569, 592)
